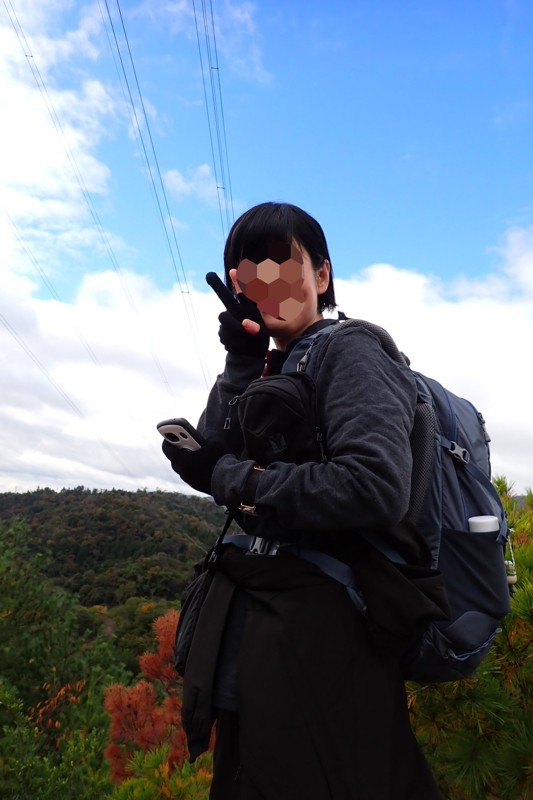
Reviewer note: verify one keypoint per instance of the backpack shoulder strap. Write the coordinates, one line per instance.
(387, 342)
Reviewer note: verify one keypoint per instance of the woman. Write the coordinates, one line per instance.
(307, 690)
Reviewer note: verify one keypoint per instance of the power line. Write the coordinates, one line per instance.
(49, 285)
(138, 127)
(29, 352)
(168, 222)
(219, 134)
(40, 82)
(66, 397)
(222, 116)
(17, 27)
(217, 96)
(215, 168)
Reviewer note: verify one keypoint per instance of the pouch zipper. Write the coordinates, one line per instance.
(228, 420)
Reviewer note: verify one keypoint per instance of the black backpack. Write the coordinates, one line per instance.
(451, 483)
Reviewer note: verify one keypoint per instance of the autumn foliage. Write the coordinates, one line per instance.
(45, 716)
(148, 714)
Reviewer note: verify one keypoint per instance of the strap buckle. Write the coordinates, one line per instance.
(459, 452)
(264, 547)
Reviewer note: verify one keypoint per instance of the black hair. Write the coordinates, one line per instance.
(283, 222)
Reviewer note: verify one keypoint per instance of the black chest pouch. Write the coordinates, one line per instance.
(278, 419)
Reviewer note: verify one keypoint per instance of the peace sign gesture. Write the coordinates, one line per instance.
(242, 330)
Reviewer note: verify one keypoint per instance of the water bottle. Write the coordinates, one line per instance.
(484, 524)
(488, 524)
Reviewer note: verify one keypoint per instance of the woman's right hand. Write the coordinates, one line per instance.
(242, 330)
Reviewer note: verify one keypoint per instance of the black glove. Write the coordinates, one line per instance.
(195, 467)
(231, 333)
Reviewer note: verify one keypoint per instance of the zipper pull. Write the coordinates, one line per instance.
(483, 425)
(227, 421)
(320, 443)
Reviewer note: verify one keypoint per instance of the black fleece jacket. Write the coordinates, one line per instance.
(366, 406)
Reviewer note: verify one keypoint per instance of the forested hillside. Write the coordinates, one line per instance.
(109, 546)
(89, 700)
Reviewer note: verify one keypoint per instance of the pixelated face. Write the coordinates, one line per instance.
(276, 282)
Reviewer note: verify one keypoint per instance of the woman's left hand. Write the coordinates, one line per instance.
(195, 467)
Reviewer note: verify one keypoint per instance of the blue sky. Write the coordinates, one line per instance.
(404, 128)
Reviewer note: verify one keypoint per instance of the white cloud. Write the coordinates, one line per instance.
(47, 135)
(239, 41)
(517, 251)
(148, 368)
(42, 28)
(199, 183)
(50, 136)
(473, 337)
(67, 420)
(177, 15)
(237, 38)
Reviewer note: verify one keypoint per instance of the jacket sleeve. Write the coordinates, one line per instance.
(366, 405)
(239, 372)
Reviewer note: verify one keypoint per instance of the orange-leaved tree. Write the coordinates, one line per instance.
(147, 715)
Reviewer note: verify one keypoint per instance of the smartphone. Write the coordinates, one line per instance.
(180, 433)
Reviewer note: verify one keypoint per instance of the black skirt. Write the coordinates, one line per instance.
(320, 714)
